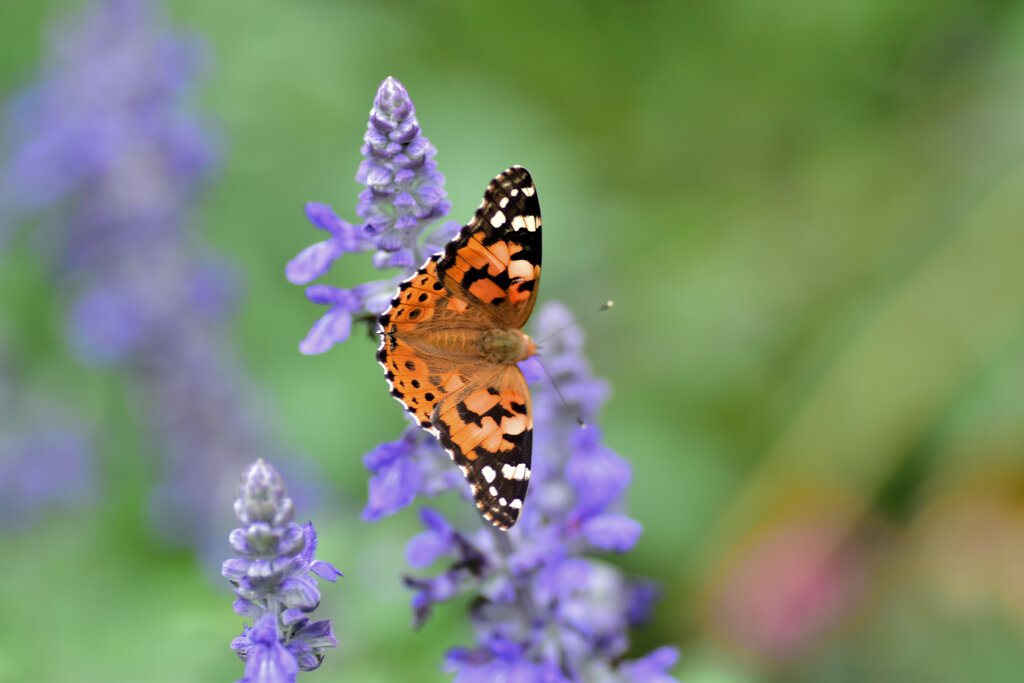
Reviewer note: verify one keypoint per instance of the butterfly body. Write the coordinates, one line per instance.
(452, 337)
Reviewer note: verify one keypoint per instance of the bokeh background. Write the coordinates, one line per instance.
(810, 216)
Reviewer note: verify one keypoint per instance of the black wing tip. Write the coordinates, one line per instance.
(516, 171)
(512, 177)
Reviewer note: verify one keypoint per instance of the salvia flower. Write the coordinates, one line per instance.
(107, 147)
(403, 197)
(274, 576)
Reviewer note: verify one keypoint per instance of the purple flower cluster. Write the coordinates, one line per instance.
(404, 195)
(107, 149)
(109, 107)
(542, 608)
(274, 577)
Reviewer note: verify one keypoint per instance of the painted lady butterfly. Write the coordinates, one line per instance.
(452, 337)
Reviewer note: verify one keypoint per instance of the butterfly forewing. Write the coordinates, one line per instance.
(495, 260)
(432, 344)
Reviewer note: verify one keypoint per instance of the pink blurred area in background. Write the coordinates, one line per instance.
(792, 581)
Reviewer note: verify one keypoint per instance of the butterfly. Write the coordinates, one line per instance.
(452, 337)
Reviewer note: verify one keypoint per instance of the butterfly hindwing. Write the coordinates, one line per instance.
(496, 258)
(487, 428)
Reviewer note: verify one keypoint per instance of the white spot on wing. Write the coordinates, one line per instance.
(488, 473)
(520, 471)
(508, 471)
(502, 502)
(517, 504)
(529, 191)
(498, 219)
(525, 222)
(493, 490)
(503, 202)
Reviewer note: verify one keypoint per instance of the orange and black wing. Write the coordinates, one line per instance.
(495, 260)
(487, 428)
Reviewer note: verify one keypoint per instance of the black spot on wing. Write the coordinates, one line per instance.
(497, 413)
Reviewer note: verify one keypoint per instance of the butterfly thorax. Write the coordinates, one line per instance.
(506, 346)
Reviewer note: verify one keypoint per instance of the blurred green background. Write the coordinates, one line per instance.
(811, 218)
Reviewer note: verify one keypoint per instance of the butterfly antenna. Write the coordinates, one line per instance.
(604, 307)
(558, 391)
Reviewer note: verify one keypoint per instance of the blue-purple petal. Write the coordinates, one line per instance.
(323, 217)
(333, 328)
(312, 262)
(425, 547)
(392, 488)
(598, 475)
(247, 608)
(325, 570)
(299, 593)
(612, 531)
(267, 661)
(531, 369)
(318, 634)
(653, 668)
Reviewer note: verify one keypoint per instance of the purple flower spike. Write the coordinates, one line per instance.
(108, 154)
(542, 609)
(274, 577)
(404, 197)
